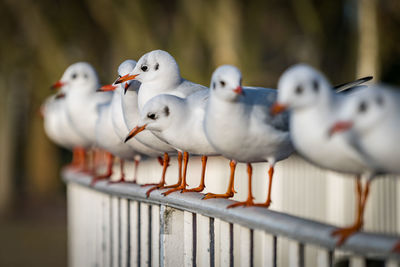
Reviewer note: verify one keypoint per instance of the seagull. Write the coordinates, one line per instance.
(171, 118)
(314, 105)
(111, 128)
(238, 125)
(369, 121)
(78, 85)
(158, 73)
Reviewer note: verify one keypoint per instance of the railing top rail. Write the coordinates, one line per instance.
(276, 223)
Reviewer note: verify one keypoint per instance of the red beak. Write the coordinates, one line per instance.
(106, 88)
(126, 78)
(135, 131)
(277, 108)
(238, 90)
(57, 85)
(340, 126)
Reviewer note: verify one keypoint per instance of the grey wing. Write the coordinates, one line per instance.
(262, 99)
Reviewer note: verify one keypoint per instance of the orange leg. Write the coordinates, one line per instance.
(162, 182)
(122, 177)
(249, 200)
(75, 163)
(344, 233)
(110, 159)
(230, 191)
(202, 185)
(182, 185)
(268, 201)
(163, 162)
(160, 160)
(86, 162)
(179, 173)
(396, 248)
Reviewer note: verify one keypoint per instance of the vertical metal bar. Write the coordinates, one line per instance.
(203, 250)
(324, 258)
(111, 232)
(149, 235)
(128, 256)
(124, 231)
(155, 239)
(231, 259)
(244, 245)
(275, 251)
(356, 261)
(171, 237)
(134, 235)
(296, 254)
(251, 247)
(212, 243)
(162, 234)
(119, 234)
(189, 239)
(139, 235)
(194, 239)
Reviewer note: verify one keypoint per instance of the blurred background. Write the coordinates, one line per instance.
(40, 39)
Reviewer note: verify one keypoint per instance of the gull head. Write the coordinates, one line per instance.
(80, 75)
(226, 83)
(301, 86)
(124, 69)
(159, 112)
(364, 110)
(157, 66)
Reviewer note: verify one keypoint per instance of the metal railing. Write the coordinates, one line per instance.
(116, 225)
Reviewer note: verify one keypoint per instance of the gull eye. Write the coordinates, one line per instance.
(144, 68)
(315, 86)
(157, 66)
(222, 83)
(151, 116)
(362, 107)
(74, 75)
(299, 90)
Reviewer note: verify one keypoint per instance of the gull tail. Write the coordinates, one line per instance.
(352, 85)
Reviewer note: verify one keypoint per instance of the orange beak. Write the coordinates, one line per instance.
(277, 108)
(126, 78)
(106, 88)
(340, 126)
(135, 131)
(126, 87)
(239, 90)
(57, 85)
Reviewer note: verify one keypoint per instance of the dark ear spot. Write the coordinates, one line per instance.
(315, 86)
(166, 111)
(362, 107)
(213, 85)
(151, 116)
(157, 66)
